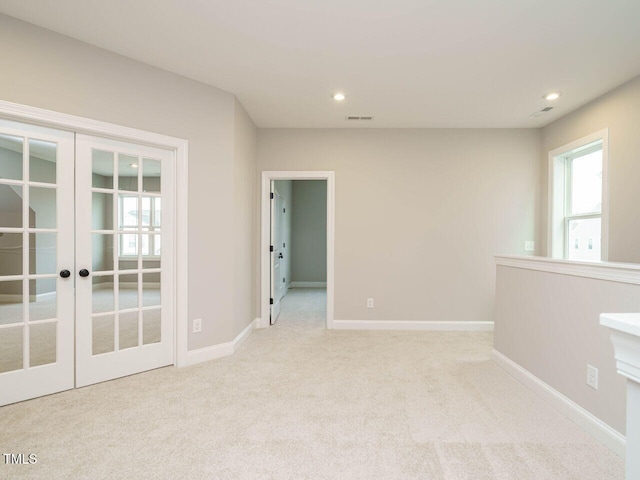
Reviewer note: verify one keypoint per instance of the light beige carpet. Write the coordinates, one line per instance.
(300, 402)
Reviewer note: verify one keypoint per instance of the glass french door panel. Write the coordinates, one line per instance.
(127, 291)
(103, 294)
(11, 254)
(151, 331)
(42, 253)
(42, 207)
(102, 252)
(11, 153)
(103, 334)
(11, 202)
(128, 167)
(43, 305)
(151, 291)
(11, 348)
(42, 344)
(151, 172)
(102, 169)
(11, 302)
(102, 211)
(42, 161)
(128, 330)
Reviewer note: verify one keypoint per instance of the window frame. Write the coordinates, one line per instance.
(559, 194)
(152, 229)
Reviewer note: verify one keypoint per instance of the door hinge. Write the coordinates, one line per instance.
(284, 245)
(283, 280)
(271, 248)
(271, 196)
(284, 210)
(271, 301)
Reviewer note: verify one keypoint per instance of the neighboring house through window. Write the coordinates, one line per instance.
(577, 199)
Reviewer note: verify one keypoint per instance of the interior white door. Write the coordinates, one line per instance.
(277, 253)
(125, 259)
(36, 261)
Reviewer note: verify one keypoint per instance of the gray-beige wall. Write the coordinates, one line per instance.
(55, 72)
(619, 111)
(309, 226)
(419, 213)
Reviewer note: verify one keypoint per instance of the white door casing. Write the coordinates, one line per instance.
(265, 236)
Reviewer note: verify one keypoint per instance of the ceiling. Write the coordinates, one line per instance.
(408, 63)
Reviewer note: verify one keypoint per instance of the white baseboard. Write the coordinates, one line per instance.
(220, 350)
(411, 325)
(308, 284)
(584, 419)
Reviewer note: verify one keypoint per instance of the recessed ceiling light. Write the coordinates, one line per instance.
(133, 165)
(339, 97)
(552, 96)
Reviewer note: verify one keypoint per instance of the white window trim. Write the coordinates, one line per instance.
(557, 185)
(152, 228)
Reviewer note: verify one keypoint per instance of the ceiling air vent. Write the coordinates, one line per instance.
(359, 117)
(541, 112)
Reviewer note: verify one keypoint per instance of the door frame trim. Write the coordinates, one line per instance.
(265, 225)
(180, 147)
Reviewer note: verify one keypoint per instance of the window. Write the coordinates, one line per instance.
(578, 183)
(139, 227)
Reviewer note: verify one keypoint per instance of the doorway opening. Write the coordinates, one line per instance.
(292, 255)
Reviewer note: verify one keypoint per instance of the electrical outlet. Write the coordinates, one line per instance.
(529, 246)
(369, 302)
(592, 377)
(197, 325)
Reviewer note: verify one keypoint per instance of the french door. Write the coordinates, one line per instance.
(86, 260)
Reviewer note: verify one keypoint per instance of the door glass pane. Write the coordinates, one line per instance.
(103, 294)
(128, 245)
(128, 173)
(42, 161)
(128, 330)
(151, 263)
(102, 252)
(103, 334)
(128, 291)
(11, 149)
(44, 306)
(10, 349)
(102, 169)
(151, 175)
(10, 206)
(151, 245)
(157, 212)
(150, 289)
(42, 253)
(42, 344)
(146, 211)
(586, 183)
(129, 212)
(102, 211)
(11, 306)
(10, 254)
(151, 326)
(584, 239)
(42, 207)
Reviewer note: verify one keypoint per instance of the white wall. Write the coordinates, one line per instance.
(51, 71)
(309, 226)
(419, 213)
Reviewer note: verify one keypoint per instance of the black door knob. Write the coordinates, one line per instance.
(65, 273)
(280, 256)
(84, 272)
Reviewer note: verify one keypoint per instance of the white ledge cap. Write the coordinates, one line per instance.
(623, 322)
(625, 336)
